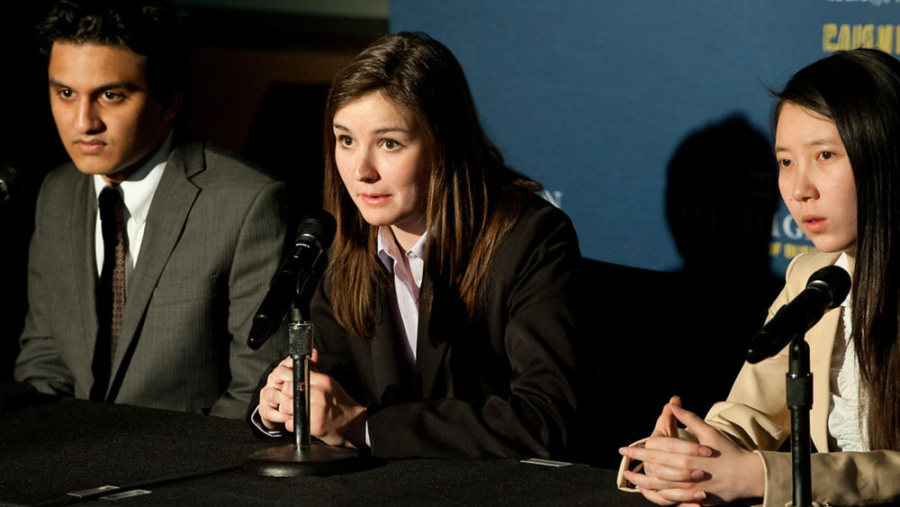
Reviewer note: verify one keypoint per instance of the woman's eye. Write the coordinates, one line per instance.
(784, 162)
(825, 155)
(391, 145)
(345, 141)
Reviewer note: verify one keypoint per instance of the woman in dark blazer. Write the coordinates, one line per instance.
(445, 324)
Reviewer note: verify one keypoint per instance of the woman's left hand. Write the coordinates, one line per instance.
(334, 417)
(729, 472)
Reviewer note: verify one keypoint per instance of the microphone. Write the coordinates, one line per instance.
(10, 183)
(296, 277)
(827, 288)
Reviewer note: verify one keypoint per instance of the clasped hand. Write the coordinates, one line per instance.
(334, 417)
(712, 471)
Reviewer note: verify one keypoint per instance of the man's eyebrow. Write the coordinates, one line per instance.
(127, 85)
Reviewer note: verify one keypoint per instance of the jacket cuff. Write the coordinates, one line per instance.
(779, 478)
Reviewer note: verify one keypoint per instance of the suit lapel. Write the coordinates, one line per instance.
(823, 335)
(81, 240)
(388, 367)
(168, 213)
(431, 346)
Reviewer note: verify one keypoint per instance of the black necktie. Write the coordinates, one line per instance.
(110, 292)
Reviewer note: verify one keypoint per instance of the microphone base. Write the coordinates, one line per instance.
(312, 460)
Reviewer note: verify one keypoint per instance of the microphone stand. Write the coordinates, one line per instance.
(303, 457)
(799, 400)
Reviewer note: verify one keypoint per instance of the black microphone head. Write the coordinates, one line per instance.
(9, 182)
(320, 225)
(826, 288)
(832, 280)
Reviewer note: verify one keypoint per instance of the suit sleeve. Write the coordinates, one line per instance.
(530, 307)
(838, 478)
(39, 362)
(259, 250)
(755, 415)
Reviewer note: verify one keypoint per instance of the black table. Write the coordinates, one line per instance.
(70, 445)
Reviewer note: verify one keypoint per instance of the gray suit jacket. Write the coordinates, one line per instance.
(214, 237)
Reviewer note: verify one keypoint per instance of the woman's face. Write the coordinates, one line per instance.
(381, 158)
(816, 179)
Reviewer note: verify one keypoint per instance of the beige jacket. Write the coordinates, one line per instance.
(756, 416)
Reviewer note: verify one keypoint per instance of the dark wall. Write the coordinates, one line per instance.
(29, 145)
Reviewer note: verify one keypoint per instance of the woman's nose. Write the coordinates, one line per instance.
(363, 169)
(803, 187)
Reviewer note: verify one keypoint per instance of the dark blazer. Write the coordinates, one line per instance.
(500, 385)
(213, 238)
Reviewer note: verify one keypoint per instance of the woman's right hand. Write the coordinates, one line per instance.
(659, 477)
(712, 471)
(276, 399)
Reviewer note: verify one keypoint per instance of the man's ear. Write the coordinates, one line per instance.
(171, 110)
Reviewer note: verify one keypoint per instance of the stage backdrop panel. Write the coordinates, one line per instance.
(649, 122)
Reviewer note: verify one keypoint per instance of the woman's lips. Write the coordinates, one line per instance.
(814, 224)
(374, 199)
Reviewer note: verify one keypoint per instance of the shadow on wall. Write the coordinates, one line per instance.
(657, 334)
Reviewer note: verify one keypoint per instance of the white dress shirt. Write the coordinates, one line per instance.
(407, 268)
(846, 431)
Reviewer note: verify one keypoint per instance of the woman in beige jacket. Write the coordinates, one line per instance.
(838, 145)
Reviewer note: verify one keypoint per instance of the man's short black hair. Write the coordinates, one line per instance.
(149, 28)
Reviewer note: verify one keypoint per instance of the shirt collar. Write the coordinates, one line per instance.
(389, 251)
(138, 189)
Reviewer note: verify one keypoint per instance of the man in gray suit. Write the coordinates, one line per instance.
(204, 231)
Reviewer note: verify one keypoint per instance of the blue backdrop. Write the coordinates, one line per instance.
(598, 100)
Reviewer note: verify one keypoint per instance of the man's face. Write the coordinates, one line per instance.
(105, 115)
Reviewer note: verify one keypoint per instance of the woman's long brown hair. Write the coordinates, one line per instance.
(472, 201)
